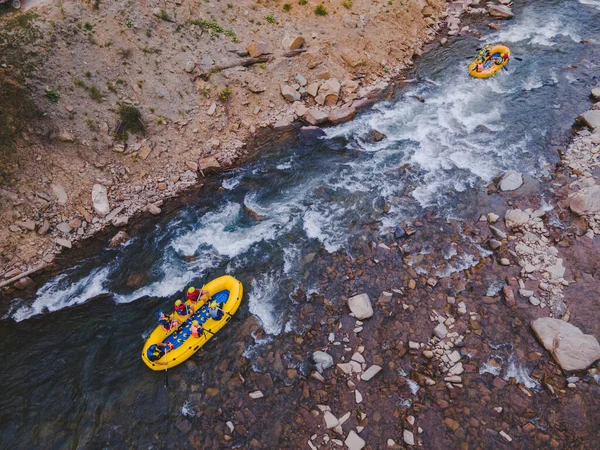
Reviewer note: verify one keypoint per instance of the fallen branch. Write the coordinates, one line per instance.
(245, 62)
(22, 275)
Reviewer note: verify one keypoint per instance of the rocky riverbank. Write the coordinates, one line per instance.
(200, 105)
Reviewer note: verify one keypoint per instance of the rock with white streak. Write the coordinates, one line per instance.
(360, 305)
(370, 372)
(100, 200)
(571, 349)
(354, 441)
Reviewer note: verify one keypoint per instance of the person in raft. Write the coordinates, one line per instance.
(166, 322)
(214, 311)
(194, 295)
(157, 351)
(181, 308)
(196, 329)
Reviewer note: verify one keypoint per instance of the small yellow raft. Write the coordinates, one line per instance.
(489, 65)
(227, 292)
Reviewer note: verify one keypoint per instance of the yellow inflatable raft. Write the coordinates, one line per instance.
(489, 64)
(227, 292)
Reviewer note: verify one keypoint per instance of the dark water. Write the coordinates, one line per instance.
(72, 373)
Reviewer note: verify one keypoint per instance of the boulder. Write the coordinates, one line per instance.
(292, 42)
(153, 209)
(301, 80)
(63, 242)
(27, 224)
(59, 193)
(313, 89)
(315, 116)
(65, 136)
(515, 218)
(341, 115)
(370, 372)
(144, 152)
(354, 441)
(591, 118)
(64, 227)
(209, 162)
(289, 93)
(352, 58)
(596, 93)
(510, 181)
(189, 66)
(118, 239)
(322, 360)
(259, 48)
(376, 135)
(329, 92)
(427, 11)
(586, 201)
(100, 200)
(360, 305)
(570, 348)
(500, 11)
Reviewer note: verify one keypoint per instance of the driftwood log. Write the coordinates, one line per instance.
(22, 275)
(244, 62)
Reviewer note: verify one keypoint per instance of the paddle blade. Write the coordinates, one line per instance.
(517, 58)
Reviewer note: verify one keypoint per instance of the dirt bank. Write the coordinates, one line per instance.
(138, 100)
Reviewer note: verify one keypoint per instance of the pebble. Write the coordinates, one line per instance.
(505, 436)
(370, 372)
(256, 394)
(409, 437)
(354, 441)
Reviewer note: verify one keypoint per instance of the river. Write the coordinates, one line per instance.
(72, 374)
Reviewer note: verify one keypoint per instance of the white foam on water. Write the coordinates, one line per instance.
(592, 3)
(519, 372)
(218, 229)
(413, 386)
(463, 262)
(291, 256)
(495, 288)
(324, 225)
(284, 166)
(231, 183)
(261, 298)
(533, 29)
(61, 293)
(488, 367)
(187, 410)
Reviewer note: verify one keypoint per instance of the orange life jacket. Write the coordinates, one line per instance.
(196, 330)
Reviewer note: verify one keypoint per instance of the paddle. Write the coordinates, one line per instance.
(166, 371)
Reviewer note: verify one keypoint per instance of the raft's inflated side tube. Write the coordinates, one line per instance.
(486, 73)
(227, 292)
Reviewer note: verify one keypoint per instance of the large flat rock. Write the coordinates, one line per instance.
(586, 201)
(591, 118)
(571, 349)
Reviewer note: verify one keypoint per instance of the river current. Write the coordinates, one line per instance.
(71, 366)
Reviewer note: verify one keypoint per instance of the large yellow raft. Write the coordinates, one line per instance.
(227, 292)
(489, 65)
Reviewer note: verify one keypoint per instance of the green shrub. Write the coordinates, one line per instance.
(270, 18)
(164, 16)
(287, 7)
(130, 121)
(88, 26)
(52, 95)
(95, 93)
(225, 94)
(347, 4)
(320, 10)
(302, 2)
(111, 87)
